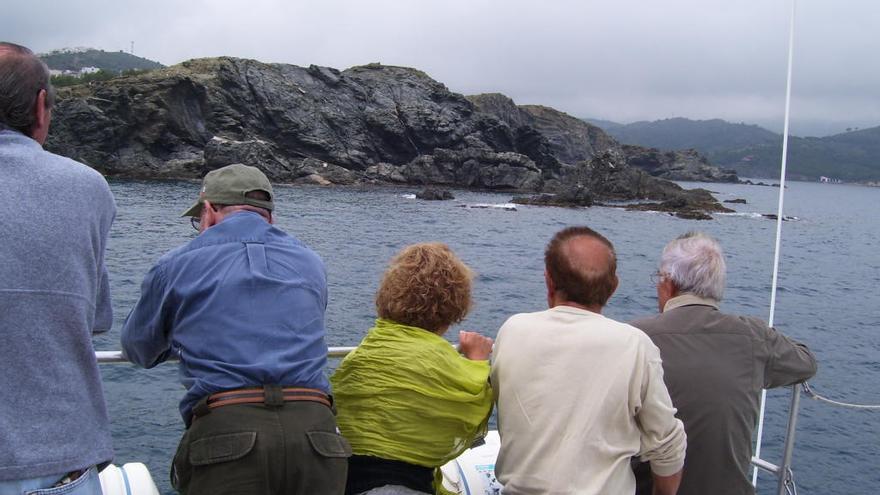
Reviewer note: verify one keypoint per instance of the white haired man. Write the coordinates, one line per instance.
(715, 366)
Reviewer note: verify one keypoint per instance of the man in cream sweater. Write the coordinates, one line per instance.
(580, 394)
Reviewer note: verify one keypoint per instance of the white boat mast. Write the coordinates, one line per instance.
(779, 217)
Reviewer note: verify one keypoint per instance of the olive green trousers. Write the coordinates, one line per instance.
(292, 449)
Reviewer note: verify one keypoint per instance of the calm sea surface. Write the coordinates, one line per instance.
(828, 295)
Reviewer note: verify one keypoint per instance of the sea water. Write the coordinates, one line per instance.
(828, 292)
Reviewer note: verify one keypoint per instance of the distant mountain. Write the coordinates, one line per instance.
(756, 152)
(604, 124)
(76, 59)
(851, 156)
(705, 135)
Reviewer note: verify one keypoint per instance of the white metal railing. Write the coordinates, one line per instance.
(105, 357)
(783, 471)
(784, 475)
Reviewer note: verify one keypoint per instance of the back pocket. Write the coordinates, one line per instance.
(329, 444)
(221, 448)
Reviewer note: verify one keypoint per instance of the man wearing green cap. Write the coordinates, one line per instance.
(242, 307)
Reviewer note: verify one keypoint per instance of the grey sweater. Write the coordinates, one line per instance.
(55, 217)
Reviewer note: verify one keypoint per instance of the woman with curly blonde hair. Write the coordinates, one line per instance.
(407, 401)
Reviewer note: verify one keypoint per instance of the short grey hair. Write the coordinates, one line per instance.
(695, 263)
(22, 76)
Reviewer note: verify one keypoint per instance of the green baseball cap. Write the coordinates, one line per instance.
(229, 186)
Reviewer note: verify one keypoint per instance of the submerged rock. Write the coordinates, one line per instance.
(759, 183)
(432, 194)
(736, 201)
(773, 216)
(569, 196)
(503, 206)
(693, 215)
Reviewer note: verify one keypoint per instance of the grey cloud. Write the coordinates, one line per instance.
(621, 60)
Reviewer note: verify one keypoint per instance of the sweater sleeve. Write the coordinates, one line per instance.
(663, 440)
(789, 361)
(103, 306)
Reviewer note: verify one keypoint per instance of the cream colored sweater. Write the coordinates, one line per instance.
(579, 394)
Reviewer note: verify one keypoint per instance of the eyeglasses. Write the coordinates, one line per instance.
(657, 277)
(196, 222)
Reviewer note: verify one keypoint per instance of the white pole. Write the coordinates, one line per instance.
(778, 224)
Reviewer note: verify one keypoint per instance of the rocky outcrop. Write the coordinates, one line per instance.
(315, 124)
(572, 140)
(684, 165)
(568, 139)
(318, 125)
(604, 177)
(433, 194)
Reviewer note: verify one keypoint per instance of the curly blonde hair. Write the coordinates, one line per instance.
(425, 286)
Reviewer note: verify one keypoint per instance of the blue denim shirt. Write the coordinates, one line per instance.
(241, 305)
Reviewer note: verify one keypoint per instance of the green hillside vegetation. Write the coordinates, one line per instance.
(109, 61)
(852, 157)
(756, 152)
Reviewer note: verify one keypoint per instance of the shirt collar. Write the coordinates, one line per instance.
(689, 300)
(563, 308)
(239, 213)
(17, 135)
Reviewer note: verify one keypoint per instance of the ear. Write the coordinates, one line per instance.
(615, 286)
(40, 130)
(666, 290)
(209, 217)
(551, 289)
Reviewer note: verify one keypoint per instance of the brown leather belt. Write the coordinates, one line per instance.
(259, 396)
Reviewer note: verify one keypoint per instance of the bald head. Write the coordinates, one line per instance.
(581, 268)
(26, 94)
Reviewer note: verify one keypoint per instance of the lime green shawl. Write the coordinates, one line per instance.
(406, 394)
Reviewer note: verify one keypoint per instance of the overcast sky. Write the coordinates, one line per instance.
(621, 60)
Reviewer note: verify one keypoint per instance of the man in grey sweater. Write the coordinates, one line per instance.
(715, 366)
(55, 217)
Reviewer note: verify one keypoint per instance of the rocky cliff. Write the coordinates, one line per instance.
(569, 139)
(300, 124)
(683, 165)
(367, 124)
(572, 140)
